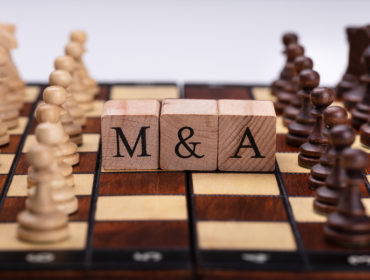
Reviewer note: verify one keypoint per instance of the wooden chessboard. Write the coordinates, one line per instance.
(174, 225)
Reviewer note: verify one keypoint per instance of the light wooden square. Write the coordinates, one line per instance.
(31, 94)
(181, 117)
(90, 142)
(83, 185)
(358, 145)
(235, 184)
(263, 93)
(303, 209)
(288, 163)
(10, 242)
(144, 92)
(97, 109)
(138, 121)
(19, 130)
(269, 236)
(280, 128)
(6, 161)
(143, 207)
(30, 141)
(236, 119)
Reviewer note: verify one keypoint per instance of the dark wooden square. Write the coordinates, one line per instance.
(216, 92)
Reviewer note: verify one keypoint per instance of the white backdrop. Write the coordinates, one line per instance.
(219, 40)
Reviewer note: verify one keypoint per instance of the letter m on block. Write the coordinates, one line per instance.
(121, 138)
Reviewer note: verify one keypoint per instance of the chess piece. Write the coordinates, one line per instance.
(62, 194)
(4, 135)
(288, 87)
(79, 87)
(327, 196)
(52, 135)
(311, 151)
(290, 112)
(42, 222)
(80, 37)
(361, 113)
(365, 133)
(288, 38)
(349, 225)
(301, 128)
(63, 79)
(54, 97)
(332, 116)
(350, 88)
(67, 63)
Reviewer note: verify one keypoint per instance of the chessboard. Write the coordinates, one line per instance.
(159, 224)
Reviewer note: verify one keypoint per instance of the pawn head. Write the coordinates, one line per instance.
(40, 156)
(303, 62)
(64, 62)
(293, 51)
(49, 133)
(78, 36)
(55, 95)
(60, 78)
(309, 78)
(289, 38)
(74, 49)
(342, 136)
(354, 159)
(322, 96)
(47, 113)
(335, 115)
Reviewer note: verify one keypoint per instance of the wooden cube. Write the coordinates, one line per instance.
(188, 129)
(246, 136)
(130, 134)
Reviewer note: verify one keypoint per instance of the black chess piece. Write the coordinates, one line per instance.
(361, 113)
(301, 128)
(332, 116)
(351, 89)
(288, 38)
(290, 111)
(365, 133)
(311, 151)
(287, 86)
(349, 225)
(327, 196)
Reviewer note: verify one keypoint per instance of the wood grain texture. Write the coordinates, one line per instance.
(236, 117)
(217, 92)
(162, 234)
(138, 121)
(184, 117)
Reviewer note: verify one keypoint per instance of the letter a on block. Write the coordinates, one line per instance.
(130, 134)
(246, 136)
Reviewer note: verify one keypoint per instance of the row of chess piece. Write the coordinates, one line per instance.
(12, 87)
(324, 139)
(60, 116)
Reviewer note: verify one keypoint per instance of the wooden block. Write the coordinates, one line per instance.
(246, 136)
(188, 134)
(130, 134)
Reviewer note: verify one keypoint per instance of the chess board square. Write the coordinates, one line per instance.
(282, 146)
(288, 162)
(270, 236)
(30, 141)
(263, 93)
(280, 128)
(14, 205)
(90, 143)
(133, 234)
(19, 130)
(97, 109)
(26, 109)
(12, 146)
(143, 207)
(240, 208)
(144, 92)
(83, 185)
(9, 241)
(358, 145)
(6, 161)
(303, 209)
(103, 93)
(87, 163)
(235, 184)
(2, 182)
(217, 92)
(92, 126)
(31, 94)
(142, 183)
(297, 184)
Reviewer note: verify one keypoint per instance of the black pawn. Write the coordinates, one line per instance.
(301, 128)
(332, 116)
(327, 196)
(300, 63)
(311, 151)
(349, 225)
(361, 113)
(288, 38)
(288, 88)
